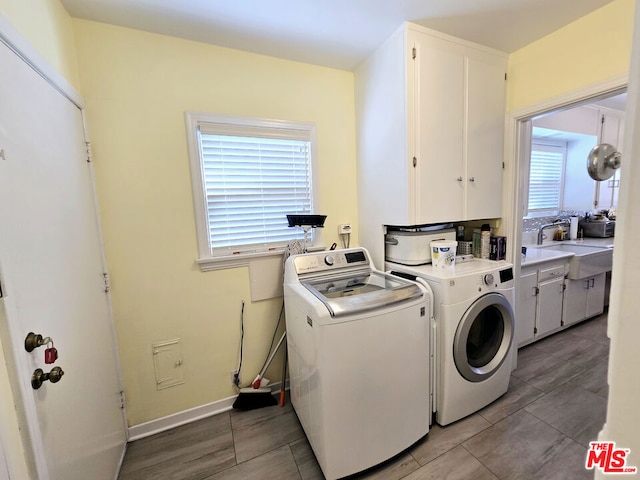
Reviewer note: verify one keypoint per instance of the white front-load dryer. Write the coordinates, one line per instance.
(475, 325)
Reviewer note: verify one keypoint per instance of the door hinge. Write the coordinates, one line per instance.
(107, 283)
(415, 162)
(123, 402)
(414, 53)
(89, 152)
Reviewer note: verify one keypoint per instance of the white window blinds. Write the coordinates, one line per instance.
(253, 177)
(546, 178)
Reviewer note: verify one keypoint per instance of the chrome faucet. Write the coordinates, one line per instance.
(554, 224)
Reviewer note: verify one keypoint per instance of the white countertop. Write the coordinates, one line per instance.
(539, 253)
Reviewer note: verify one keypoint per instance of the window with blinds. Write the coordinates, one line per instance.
(252, 173)
(546, 178)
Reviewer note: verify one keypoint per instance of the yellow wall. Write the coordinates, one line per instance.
(592, 49)
(137, 87)
(48, 26)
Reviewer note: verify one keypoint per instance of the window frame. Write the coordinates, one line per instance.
(553, 144)
(207, 259)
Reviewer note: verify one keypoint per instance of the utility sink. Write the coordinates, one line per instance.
(587, 261)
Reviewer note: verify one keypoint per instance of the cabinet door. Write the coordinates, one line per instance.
(438, 130)
(575, 300)
(485, 137)
(549, 311)
(611, 132)
(595, 296)
(526, 319)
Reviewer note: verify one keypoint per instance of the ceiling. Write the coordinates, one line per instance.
(334, 33)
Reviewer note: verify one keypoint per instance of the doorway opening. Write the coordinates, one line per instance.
(554, 181)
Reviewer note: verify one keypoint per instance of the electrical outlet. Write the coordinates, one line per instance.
(344, 228)
(235, 377)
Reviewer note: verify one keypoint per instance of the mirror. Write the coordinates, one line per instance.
(603, 161)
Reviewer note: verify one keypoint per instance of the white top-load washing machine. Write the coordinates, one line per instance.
(474, 319)
(358, 346)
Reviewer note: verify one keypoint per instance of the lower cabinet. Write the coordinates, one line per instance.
(584, 298)
(540, 306)
(549, 302)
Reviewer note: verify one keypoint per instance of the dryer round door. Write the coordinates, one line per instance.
(484, 337)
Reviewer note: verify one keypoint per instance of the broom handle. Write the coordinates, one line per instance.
(284, 378)
(264, 369)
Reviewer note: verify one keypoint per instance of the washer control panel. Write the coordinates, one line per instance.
(317, 262)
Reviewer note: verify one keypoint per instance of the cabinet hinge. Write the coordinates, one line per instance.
(503, 165)
(89, 152)
(602, 120)
(414, 53)
(123, 402)
(107, 283)
(505, 76)
(1, 290)
(535, 330)
(537, 291)
(415, 162)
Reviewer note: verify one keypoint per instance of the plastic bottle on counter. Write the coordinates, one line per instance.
(485, 241)
(460, 233)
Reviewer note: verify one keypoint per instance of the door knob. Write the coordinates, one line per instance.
(39, 377)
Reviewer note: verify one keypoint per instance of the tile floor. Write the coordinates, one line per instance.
(540, 429)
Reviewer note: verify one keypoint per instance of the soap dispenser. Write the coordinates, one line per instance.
(559, 233)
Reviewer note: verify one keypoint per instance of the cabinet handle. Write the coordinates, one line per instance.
(472, 179)
(593, 282)
(459, 179)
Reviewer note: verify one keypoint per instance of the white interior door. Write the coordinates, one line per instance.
(52, 269)
(4, 471)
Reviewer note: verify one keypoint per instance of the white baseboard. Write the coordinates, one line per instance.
(158, 425)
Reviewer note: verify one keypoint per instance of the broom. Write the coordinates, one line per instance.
(258, 396)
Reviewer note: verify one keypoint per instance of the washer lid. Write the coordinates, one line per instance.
(349, 294)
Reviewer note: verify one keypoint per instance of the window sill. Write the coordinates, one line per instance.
(208, 264)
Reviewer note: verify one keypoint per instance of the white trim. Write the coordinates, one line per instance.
(184, 417)
(513, 201)
(32, 57)
(206, 259)
(572, 99)
(243, 260)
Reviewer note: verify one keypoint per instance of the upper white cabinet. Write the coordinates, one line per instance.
(611, 131)
(430, 130)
